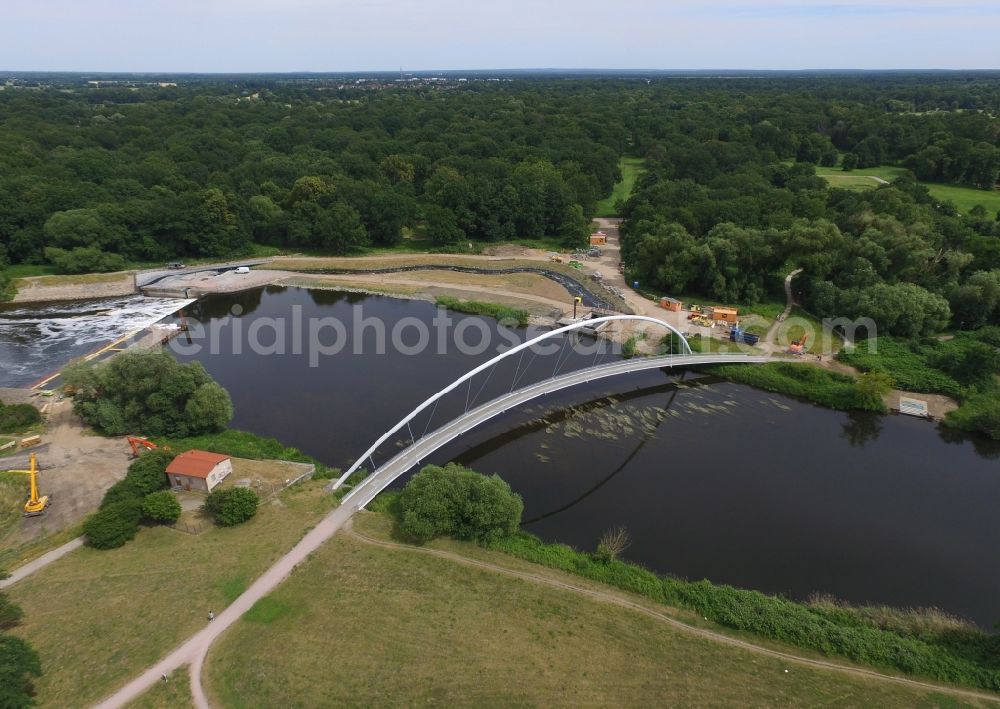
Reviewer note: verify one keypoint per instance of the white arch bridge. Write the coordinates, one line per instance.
(383, 476)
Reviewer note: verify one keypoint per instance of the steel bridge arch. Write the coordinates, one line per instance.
(486, 365)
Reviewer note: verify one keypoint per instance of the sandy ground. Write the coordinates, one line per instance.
(535, 293)
(76, 468)
(41, 289)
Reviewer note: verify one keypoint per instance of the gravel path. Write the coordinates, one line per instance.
(192, 652)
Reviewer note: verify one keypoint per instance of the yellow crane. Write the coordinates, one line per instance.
(35, 505)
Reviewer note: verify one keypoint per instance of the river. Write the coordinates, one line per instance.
(36, 340)
(711, 479)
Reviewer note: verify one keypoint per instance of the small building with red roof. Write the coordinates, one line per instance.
(199, 470)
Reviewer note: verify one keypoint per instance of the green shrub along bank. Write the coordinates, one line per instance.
(460, 503)
(127, 503)
(821, 386)
(15, 418)
(476, 307)
(149, 392)
(964, 367)
(979, 412)
(960, 655)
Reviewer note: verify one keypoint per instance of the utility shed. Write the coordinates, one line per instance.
(598, 238)
(721, 314)
(671, 304)
(199, 470)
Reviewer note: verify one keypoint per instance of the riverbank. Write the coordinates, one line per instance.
(47, 289)
(489, 616)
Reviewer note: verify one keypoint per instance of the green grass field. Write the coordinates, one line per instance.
(965, 198)
(631, 169)
(363, 625)
(97, 618)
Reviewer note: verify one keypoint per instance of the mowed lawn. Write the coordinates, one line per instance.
(631, 169)
(964, 198)
(175, 693)
(361, 625)
(97, 618)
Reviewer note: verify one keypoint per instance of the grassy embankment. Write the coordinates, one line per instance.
(97, 618)
(476, 307)
(418, 629)
(927, 644)
(964, 198)
(631, 169)
(946, 367)
(805, 381)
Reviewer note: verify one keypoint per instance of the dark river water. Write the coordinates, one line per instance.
(711, 479)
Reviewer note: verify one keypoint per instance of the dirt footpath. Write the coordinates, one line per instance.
(76, 468)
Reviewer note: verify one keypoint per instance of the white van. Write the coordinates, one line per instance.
(243, 269)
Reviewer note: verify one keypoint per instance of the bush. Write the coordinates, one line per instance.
(121, 491)
(628, 349)
(83, 259)
(19, 663)
(232, 506)
(148, 472)
(835, 391)
(458, 502)
(149, 392)
(113, 525)
(10, 613)
(18, 416)
(980, 412)
(162, 507)
(493, 310)
(906, 362)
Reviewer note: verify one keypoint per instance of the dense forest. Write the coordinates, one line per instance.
(97, 176)
(731, 201)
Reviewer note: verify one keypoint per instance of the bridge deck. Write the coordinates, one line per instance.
(371, 486)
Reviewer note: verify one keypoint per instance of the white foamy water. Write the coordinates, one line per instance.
(36, 340)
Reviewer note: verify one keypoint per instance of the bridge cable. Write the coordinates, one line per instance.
(428, 424)
(559, 355)
(534, 354)
(485, 382)
(513, 382)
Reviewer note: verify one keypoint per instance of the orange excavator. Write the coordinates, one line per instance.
(798, 346)
(138, 443)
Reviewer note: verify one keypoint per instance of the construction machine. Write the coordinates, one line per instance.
(36, 504)
(798, 347)
(138, 443)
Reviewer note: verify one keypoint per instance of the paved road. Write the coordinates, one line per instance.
(192, 652)
(41, 562)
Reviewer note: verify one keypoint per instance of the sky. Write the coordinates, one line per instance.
(369, 35)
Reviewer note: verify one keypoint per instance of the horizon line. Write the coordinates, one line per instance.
(496, 70)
